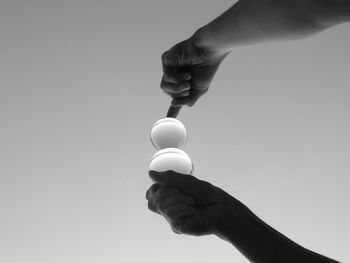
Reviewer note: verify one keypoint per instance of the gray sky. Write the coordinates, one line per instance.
(79, 93)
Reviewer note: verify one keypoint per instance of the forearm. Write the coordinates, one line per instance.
(253, 21)
(259, 242)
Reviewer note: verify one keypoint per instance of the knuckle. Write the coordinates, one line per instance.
(165, 78)
(167, 89)
(184, 93)
(176, 227)
(164, 57)
(150, 206)
(184, 86)
(175, 230)
(190, 102)
(167, 59)
(175, 95)
(164, 87)
(162, 82)
(152, 190)
(161, 206)
(168, 78)
(147, 195)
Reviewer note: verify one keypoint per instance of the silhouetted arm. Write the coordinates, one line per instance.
(254, 21)
(259, 242)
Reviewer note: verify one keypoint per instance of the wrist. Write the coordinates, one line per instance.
(233, 214)
(255, 239)
(204, 39)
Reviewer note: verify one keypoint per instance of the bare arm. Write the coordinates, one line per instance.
(258, 241)
(254, 21)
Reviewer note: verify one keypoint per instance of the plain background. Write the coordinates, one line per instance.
(79, 93)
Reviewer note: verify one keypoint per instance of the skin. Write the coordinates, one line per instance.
(190, 66)
(195, 207)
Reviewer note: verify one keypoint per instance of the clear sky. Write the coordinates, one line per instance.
(79, 93)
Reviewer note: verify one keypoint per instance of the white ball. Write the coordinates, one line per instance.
(168, 133)
(171, 159)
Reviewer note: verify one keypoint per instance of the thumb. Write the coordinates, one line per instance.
(172, 179)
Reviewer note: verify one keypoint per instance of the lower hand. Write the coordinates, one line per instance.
(191, 206)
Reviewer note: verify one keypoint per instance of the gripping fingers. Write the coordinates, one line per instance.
(176, 78)
(174, 212)
(152, 190)
(174, 200)
(189, 100)
(180, 95)
(157, 193)
(181, 101)
(168, 87)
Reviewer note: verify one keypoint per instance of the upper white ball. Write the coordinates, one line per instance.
(168, 133)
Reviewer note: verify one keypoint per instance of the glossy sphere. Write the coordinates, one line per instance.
(171, 159)
(168, 133)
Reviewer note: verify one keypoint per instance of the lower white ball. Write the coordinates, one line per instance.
(171, 159)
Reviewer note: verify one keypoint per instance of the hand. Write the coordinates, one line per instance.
(191, 206)
(188, 71)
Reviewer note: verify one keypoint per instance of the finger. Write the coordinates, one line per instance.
(175, 78)
(174, 200)
(175, 231)
(150, 192)
(168, 60)
(184, 93)
(191, 99)
(152, 206)
(174, 88)
(181, 101)
(161, 194)
(173, 112)
(174, 212)
(179, 95)
(172, 60)
(173, 179)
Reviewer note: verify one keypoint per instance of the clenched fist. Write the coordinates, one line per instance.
(188, 71)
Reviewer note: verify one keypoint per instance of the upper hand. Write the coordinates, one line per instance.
(191, 206)
(188, 71)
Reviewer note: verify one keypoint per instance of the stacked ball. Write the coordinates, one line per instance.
(168, 135)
